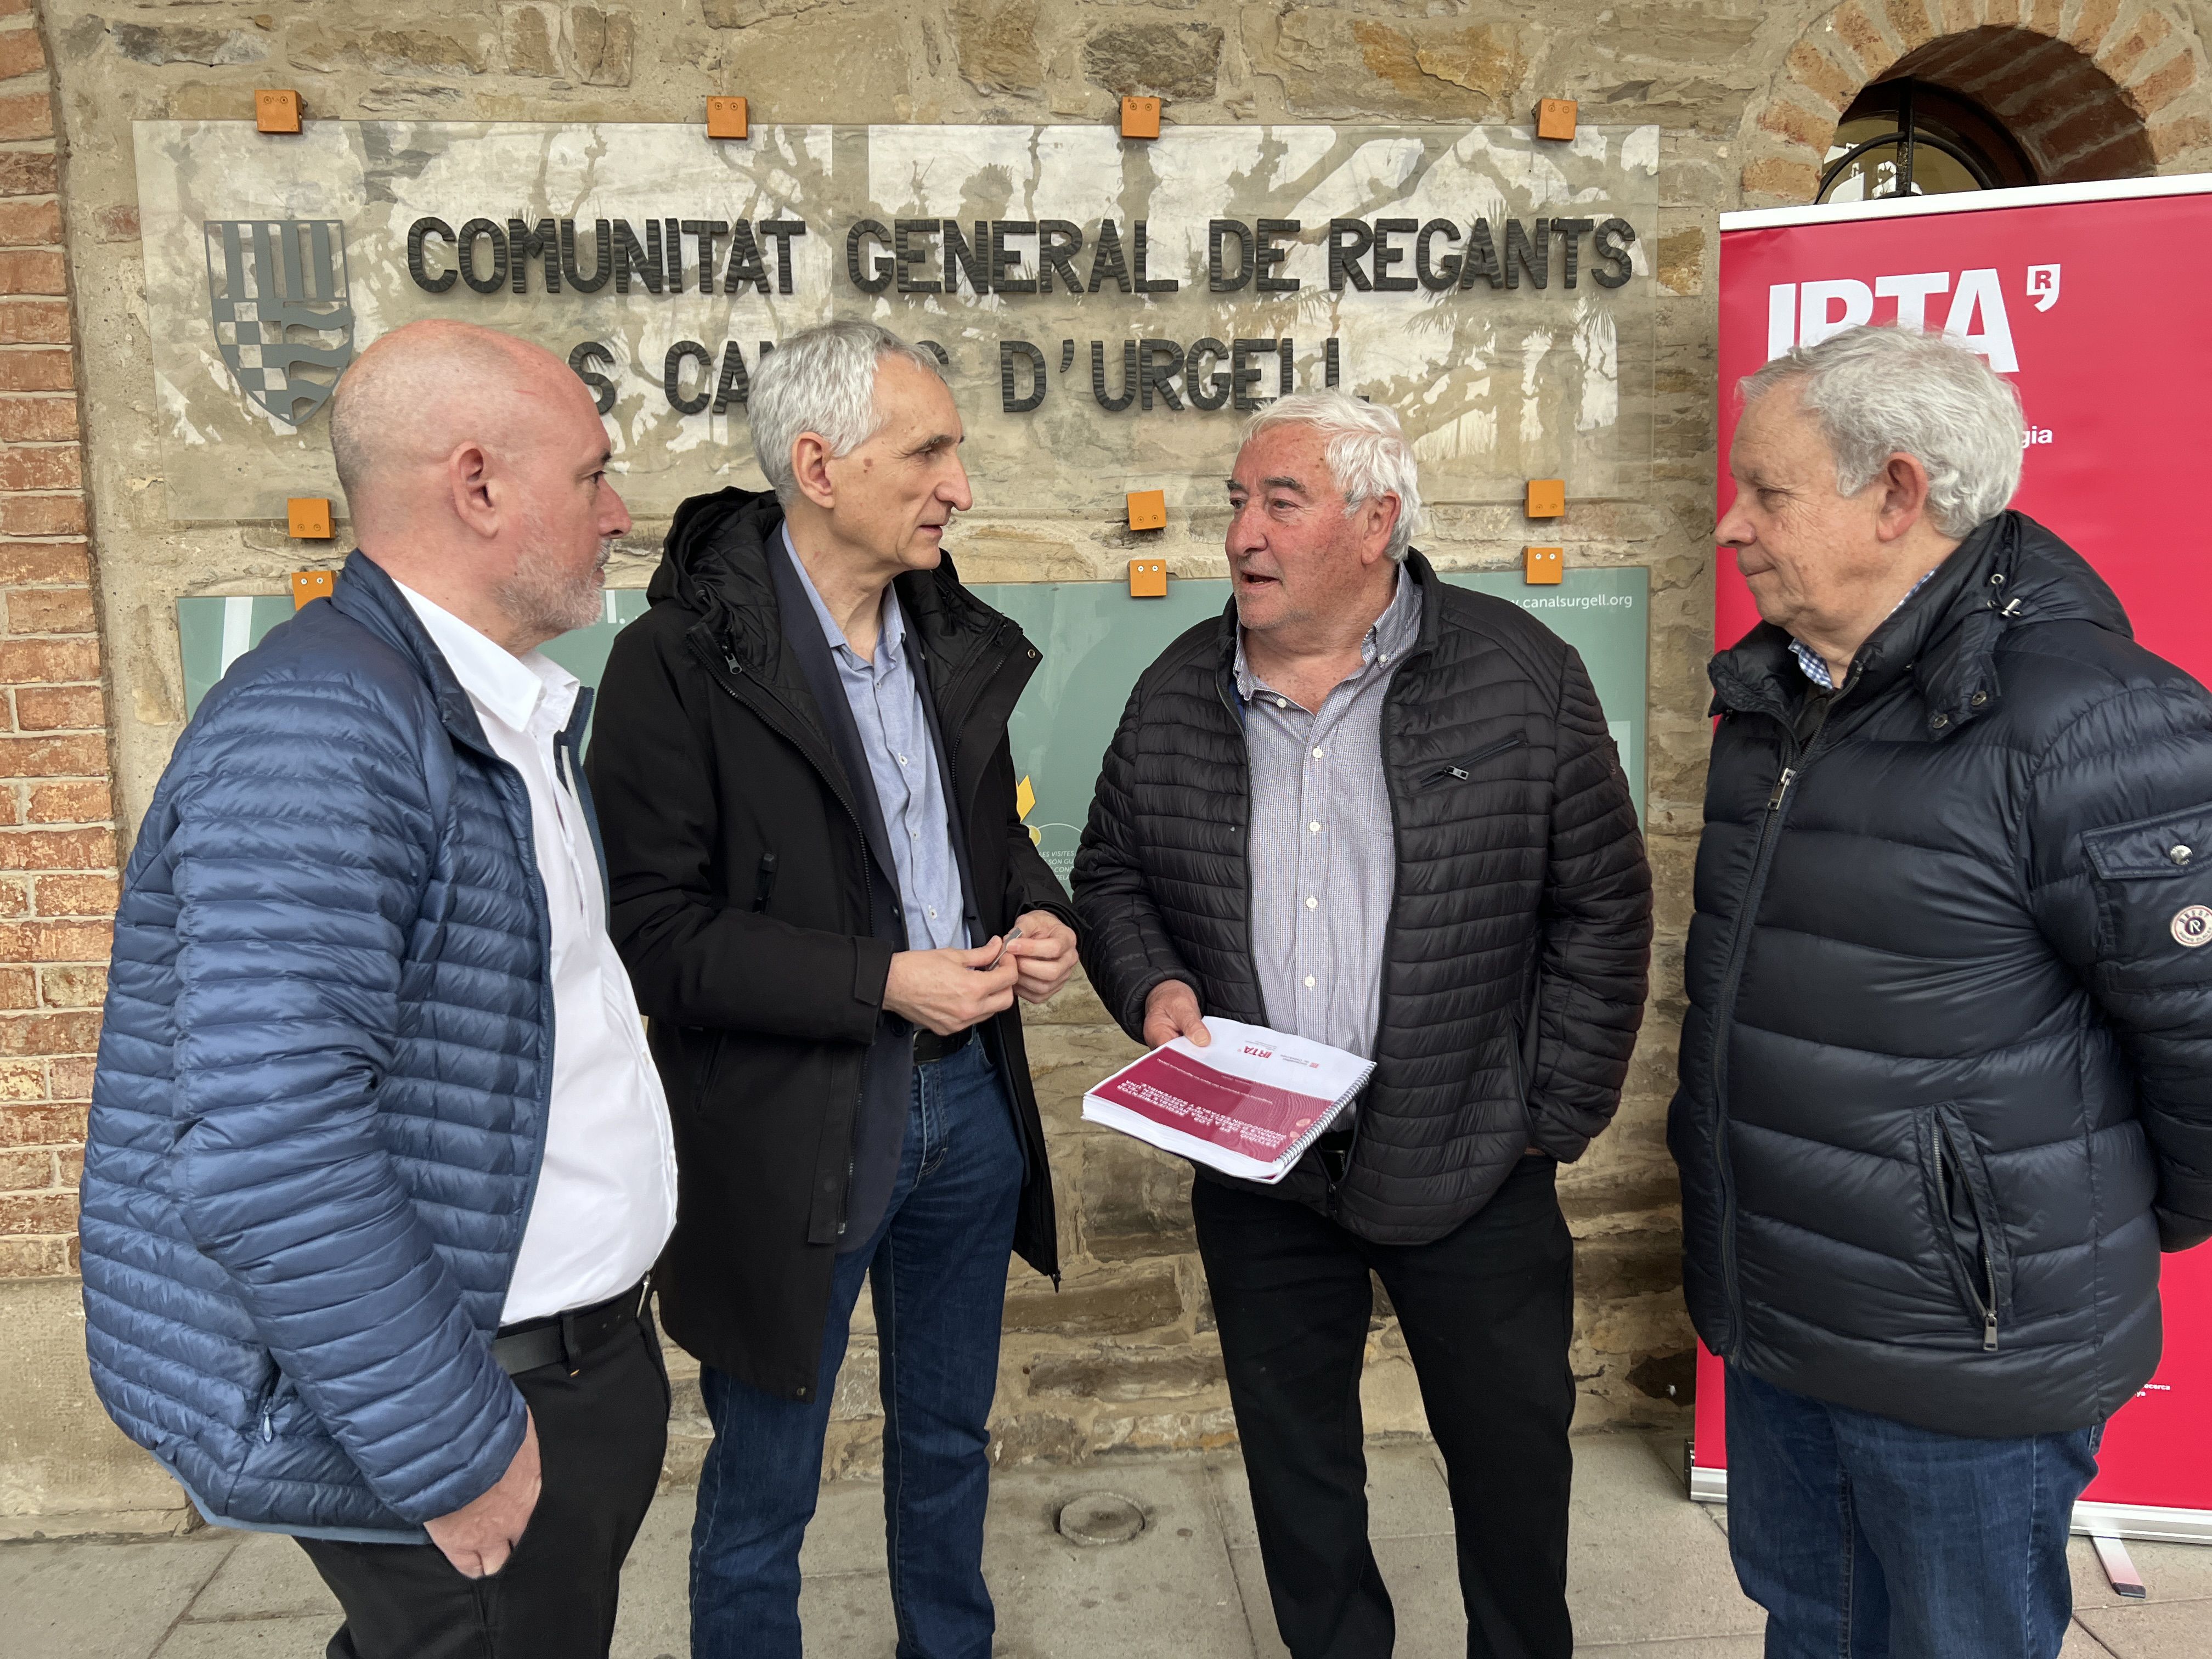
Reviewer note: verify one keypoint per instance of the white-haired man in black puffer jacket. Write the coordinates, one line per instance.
(1437, 868)
(1946, 1070)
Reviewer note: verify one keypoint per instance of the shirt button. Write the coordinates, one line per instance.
(1309, 980)
(1318, 753)
(1312, 902)
(1314, 826)
(1282, 702)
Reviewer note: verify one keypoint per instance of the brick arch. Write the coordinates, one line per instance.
(2090, 88)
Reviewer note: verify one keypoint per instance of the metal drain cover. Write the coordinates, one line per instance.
(1100, 1518)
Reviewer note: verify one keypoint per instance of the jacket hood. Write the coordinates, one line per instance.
(2009, 572)
(715, 565)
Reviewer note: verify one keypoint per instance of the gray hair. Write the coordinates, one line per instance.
(1368, 455)
(821, 380)
(1879, 391)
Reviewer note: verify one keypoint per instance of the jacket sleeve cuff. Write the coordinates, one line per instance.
(480, 1472)
(871, 972)
(2179, 1232)
(1132, 1009)
(1562, 1144)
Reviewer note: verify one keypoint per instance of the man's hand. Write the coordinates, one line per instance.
(942, 990)
(479, 1536)
(1171, 1011)
(1044, 954)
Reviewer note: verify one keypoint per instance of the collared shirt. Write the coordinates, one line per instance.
(885, 697)
(1816, 666)
(607, 1191)
(1324, 855)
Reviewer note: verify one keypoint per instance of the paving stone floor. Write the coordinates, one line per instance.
(1649, 1576)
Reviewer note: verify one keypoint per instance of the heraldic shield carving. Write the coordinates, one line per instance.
(282, 311)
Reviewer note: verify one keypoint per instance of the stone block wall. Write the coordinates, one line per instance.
(1746, 94)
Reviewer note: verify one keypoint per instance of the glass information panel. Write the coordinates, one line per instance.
(1096, 640)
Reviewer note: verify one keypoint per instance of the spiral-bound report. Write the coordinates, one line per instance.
(1247, 1104)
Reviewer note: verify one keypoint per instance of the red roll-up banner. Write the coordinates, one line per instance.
(2093, 301)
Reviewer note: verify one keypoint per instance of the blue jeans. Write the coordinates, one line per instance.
(1863, 1537)
(938, 1268)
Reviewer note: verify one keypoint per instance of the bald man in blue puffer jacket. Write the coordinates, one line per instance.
(378, 1161)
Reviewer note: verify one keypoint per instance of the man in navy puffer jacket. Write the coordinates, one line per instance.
(378, 1160)
(1947, 1071)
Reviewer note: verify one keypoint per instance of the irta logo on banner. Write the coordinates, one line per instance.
(1805, 313)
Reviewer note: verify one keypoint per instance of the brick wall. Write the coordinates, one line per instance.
(2090, 88)
(58, 878)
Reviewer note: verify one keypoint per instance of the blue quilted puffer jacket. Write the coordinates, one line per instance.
(321, 1099)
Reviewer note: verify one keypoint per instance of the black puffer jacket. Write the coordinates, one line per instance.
(1947, 1073)
(1520, 868)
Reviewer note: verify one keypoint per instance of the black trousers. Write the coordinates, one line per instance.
(1487, 1312)
(600, 1437)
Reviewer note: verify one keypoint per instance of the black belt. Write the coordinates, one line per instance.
(572, 1339)
(929, 1046)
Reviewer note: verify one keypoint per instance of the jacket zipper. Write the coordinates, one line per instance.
(1988, 1309)
(1777, 801)
(868, 907)
(951, 721)
(1459, 771)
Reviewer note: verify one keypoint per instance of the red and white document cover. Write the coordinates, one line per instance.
(1248, 1105)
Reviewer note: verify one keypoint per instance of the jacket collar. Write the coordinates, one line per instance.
(2009, 573)
(367, 596)
(716, 565)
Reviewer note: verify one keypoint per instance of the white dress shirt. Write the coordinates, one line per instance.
(606, 1193)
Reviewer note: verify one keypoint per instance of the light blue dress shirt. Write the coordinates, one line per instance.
(885, 698)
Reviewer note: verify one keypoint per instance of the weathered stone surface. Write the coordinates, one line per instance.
(1035, 1436)
(1134, 1201)
(1101, 1304)
(527, 34)
(1681, 263)
(329, 48)
(860, 1379)
(1117, 1375)
(998, 44)
(1171, 60)
(1483, 60)
(602, 42)
(184, 43)
(1682, 31)
(742, 13)
(1331, 63)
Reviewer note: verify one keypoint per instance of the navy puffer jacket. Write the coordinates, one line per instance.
(321, 1096)
(1947, 1071)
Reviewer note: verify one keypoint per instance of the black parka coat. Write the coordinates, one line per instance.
(764, 984)
(1522, 888)
(1946, 1069)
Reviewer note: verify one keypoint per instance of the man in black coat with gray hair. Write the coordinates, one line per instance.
(1382, 813)
(1946, 1070)
(829, 906)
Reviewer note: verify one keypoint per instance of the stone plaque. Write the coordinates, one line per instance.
(1107, 311)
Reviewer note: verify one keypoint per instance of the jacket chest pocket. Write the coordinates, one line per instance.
(1452, 774)
(2154, 887)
